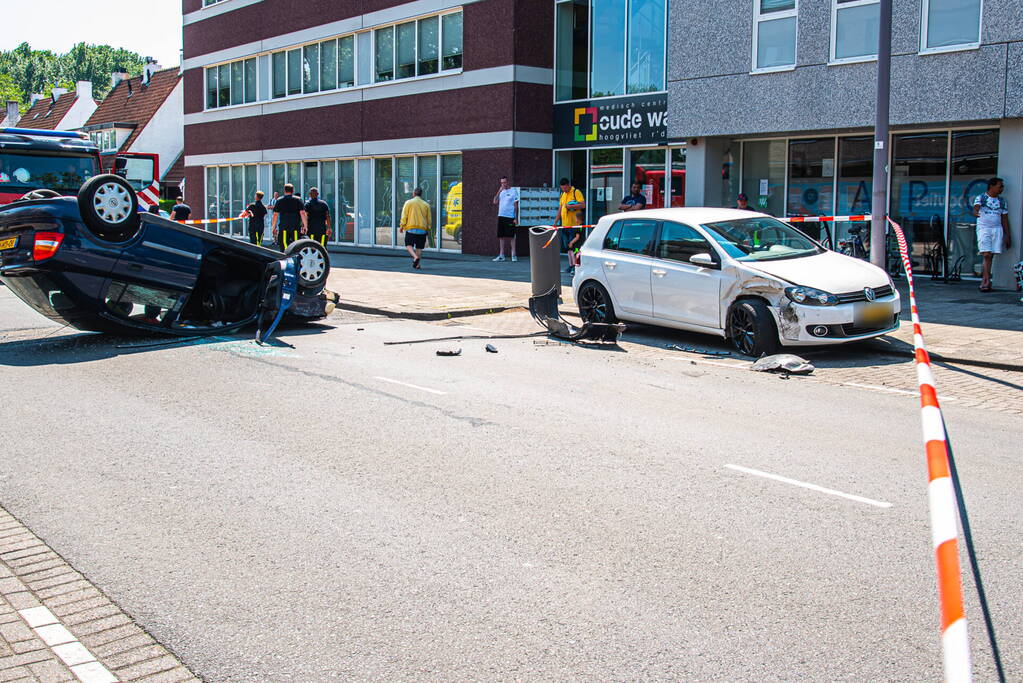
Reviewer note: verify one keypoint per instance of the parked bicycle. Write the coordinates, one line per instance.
(854, 246)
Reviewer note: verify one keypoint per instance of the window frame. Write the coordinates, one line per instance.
(651, 247)
(241, 64)
(441, 71)
(711, 250)
(849, 4)
(925, 11)
(759, 18)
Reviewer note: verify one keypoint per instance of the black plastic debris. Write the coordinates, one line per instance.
(544, 309)
(693, 349)
(491, 348)
(449, 352)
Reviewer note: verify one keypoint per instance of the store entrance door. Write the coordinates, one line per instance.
(661, 174)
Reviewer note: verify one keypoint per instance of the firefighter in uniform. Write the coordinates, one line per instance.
(289, 218)
(318, 212)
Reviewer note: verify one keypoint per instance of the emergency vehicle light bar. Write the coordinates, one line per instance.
(44, 133)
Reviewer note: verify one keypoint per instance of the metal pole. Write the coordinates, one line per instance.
(879, 196)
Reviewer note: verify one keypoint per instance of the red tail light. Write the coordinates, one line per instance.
(46, 245)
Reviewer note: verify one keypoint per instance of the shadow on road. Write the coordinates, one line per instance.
(85, 347)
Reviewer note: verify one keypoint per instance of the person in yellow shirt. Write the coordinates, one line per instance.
(571, 209)
(416, 219)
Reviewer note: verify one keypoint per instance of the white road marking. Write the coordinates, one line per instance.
(894, 391)
(411, 386)
(812, 487)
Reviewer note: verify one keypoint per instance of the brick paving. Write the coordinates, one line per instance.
(56, 626)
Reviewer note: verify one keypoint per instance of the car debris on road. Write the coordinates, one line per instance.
(784, 363)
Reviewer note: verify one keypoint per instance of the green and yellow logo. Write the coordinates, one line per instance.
(581, 127)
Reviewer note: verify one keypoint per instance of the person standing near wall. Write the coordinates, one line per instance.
(318, 212)
(181, 210)
(416, 219)
(289, 218)
(992, 226)
(256, 213)
(571, 208)
(507, 201)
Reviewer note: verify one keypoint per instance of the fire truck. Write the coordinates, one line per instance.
(61, 161)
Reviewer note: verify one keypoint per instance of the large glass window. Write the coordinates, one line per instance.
(328, 190)
(646, 48)
(917, 200)
(451, 41)
(811, 180)
(648, 170)
(224, 194)
(224, 81)
(233, 83)
(237, 83)
(451, 201)
(211, 87)
(346, 61)
(606, 172)
(211, 192)
(346, 201)
(328, 65)
(855, 182)
(974, 160)
(950, 23)
(405, 50)
(311, 68)
(680, 242)
(250, 80)
(572, 46)
(294, 71)
(280, 177)
(774, 34)
(250, 185)
(385, 53)
(295, 176)
(429, 49)
(854, 27)
(763, 176)
(426, 180)
(637, 236)
(607, 62)
(280, 74)
(405, 179)
(383, 222)
(678, 177)
(237, 193)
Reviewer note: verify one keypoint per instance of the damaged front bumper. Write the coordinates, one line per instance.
(801, 325)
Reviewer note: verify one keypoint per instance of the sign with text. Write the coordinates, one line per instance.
(626, 121)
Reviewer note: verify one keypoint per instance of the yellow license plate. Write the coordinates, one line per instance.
(873, 314)
(8, 243)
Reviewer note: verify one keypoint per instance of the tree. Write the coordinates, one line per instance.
(9, 90)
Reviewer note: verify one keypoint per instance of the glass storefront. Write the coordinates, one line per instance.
(934, 178)
(605, 188)
(385, 188)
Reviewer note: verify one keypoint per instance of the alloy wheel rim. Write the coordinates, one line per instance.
(112, 203)
(311, 264)
(744, 334)
(594, 305)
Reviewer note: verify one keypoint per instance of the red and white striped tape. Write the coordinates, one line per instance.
(941, 498)
(825, 219)
(203, 221)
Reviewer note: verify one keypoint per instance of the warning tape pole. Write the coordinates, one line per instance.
(941, 498)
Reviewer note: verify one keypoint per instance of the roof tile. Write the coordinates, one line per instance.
(46, 114)
(137, 104)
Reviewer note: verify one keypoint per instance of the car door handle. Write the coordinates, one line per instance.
(659, 273)
(610, 264)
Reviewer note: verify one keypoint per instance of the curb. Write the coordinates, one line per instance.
(426, 315)
(937, 357)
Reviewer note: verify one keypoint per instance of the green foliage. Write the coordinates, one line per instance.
(167, 204)
(40, 70)
(9, 90)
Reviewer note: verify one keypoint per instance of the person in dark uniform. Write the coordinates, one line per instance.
(181, 210)
(256, 213)
(318, 212)
(289, 218)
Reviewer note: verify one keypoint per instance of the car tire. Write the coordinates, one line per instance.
(595, 304)
(313, 264)
(751, 328)
(109, 207)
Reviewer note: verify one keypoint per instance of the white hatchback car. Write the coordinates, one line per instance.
(737, 274)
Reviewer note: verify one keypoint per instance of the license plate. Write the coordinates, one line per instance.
(8, 243)
(873, 314)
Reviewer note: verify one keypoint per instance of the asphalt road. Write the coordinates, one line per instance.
(548, 512)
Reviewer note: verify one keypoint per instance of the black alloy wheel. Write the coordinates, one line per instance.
(751, 328)
(595, 304)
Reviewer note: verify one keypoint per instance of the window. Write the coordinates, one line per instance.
(280, 74)
(571, 69)
(140, 303)
(346, 62)
(607, 68)
(294, 71)
(613, 235)
(106, 140)
(415, 49)
(646, 46)
(950, 24)
(451, 201)
(311, 68)
(207, 3)
(774, 35)
(637, 236)
(233, 83)
(854, 27)
(680, 242)
(317, 67)
(328, 65)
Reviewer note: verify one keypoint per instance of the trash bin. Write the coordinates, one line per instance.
(544, 263)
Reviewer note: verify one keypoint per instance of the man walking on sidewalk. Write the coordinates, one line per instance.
(416, 220)
(507, 201)
(318, 213)
(256, 213)
(992, 226)
(289, 218)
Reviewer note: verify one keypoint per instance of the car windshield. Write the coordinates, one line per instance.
(761, 238)
(65, 173)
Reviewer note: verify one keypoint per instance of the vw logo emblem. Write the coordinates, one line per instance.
(869, 294)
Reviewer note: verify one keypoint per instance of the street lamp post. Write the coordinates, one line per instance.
(879, 195)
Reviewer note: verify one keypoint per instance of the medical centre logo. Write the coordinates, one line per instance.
(585, 132)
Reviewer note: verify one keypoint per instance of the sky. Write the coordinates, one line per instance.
(151, 28)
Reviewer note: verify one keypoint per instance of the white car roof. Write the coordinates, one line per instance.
(685, 214)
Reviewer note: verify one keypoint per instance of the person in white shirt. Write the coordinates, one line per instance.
(992, 226)
(507, 202)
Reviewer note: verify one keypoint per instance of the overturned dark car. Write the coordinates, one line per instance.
(94, 262)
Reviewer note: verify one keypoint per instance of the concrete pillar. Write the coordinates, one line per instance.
(1010, 167)
(704, 186)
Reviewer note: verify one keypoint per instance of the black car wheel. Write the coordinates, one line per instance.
(109, 207)
(595, 304)
(313, 263)
(751, 328)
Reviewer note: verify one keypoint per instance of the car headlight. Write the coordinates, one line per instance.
(810, 296)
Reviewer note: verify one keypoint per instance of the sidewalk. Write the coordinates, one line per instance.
(960, 323)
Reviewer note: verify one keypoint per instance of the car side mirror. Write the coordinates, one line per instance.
(702, 260)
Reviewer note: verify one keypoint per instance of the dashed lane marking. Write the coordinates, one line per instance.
(812, 487)
(412, 386)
